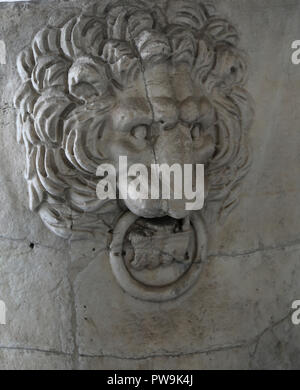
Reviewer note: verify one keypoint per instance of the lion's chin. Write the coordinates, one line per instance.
(157, 208)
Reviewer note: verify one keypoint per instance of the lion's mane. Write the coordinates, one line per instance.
(52, 118)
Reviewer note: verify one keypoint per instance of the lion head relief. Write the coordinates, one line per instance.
(155, 84)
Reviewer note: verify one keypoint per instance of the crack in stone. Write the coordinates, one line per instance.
(80, 264)
(170, 354)
(215, 349)
(74, 326)
(258, 338)
(40, 350)
(146, 93)
(37, 244)
(13, 239)
(282, 246)
(227, 347)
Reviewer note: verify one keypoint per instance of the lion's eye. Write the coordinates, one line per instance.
(196, 132)
(140, 132)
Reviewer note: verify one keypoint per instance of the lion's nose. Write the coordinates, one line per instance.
(165, 111)
(174, 147)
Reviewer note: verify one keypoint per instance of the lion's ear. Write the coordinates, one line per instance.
(87, 79)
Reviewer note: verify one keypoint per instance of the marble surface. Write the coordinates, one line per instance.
(64, 307)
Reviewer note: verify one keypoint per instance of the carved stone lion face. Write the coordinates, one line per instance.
(160, 85)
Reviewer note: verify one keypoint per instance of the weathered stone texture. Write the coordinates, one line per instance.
(64, 307)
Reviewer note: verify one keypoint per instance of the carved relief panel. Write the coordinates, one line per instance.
(160, 85)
